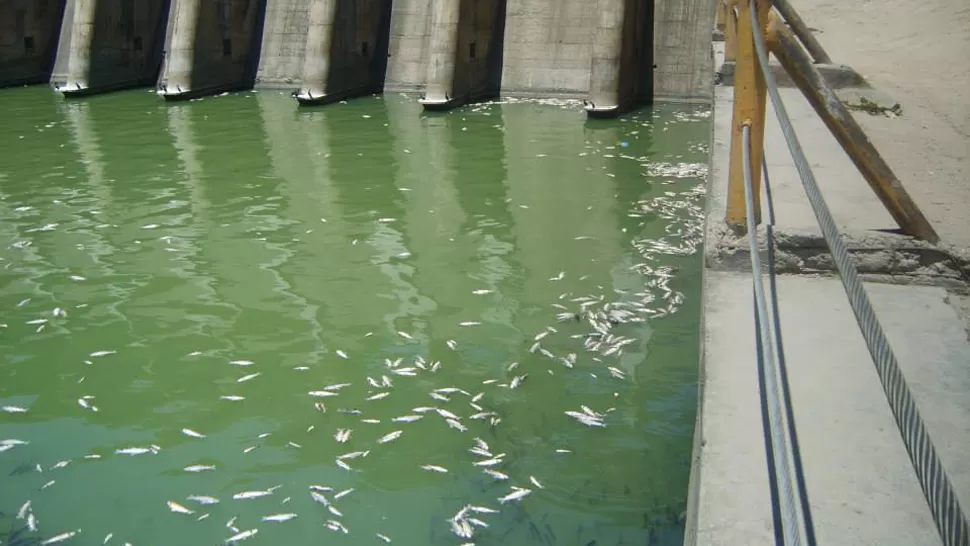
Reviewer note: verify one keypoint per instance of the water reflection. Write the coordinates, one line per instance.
(232, 255)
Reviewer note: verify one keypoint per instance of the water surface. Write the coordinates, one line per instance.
(155, 257)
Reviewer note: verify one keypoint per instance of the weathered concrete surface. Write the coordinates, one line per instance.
(861, 486)
(109, 44)
(464, 59)
(284, 44)
(682, 49)
(213, 46)
(346, 52)
(29, 30)
(409, 45)
(621, 75)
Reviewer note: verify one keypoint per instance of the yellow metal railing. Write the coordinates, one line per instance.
(789, 45)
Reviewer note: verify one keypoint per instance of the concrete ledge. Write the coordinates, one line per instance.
(886, 257)
(837, 75)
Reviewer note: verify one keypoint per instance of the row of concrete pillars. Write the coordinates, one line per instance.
(193, 48)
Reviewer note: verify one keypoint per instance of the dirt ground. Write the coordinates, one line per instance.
(918, 52)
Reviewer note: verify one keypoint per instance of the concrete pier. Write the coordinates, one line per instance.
(107, 45)
(29, 30)
(213, 47)
(464, 39)
(346, 50)
(284, 44)
(622, 58)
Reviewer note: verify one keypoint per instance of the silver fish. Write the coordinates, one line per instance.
(434, 468)
(496, 474)
(389, 437)
(407, 418)
(342, 435)
(322, 394)
(178, 508)
(469, 323)
(371, 421)
(446, 414)
(489, 462)
(14, 409)
(242, 362)
(279, 518)
(241, 536)
(333, 510)
(343, 465)
(336, 387)
(405, 335)
(378, 396)
(482, 509)
(22, 513)
(343, 493)
(202, 499)
(319, 498)
(455, 424)
(535, 482)
(516, 494)
(102, 353)
(135, 451)
(245, 378)
(246, 495)
(199, 468)
(481, 292)
(60, 538)
(354, 455)
(438, 396)
(384, 538)
(342, 354)
(232, 398)
(192, 434)
(452, 344)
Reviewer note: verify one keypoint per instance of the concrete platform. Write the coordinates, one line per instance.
(861, 486)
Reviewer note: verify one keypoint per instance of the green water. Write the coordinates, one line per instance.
(182, 237)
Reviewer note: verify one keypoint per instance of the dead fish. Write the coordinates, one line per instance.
(232, 398)
(60, 538)
(455, 424)
(321, 407)
(192, 434)
(333, 510)
(405, 335)
(446, 414)
(481, 292)
(343, 493)
(407, 418)
(335, 525)
(14, 409)
(452, 344)
(242, 362)
(469, 323)
(535, 482)
(516, 494)
(489, 462)
(245, 378)
(336, 387)
(46, 485)
(371, 421)
(84, 403)
(250, 449)
(342, 354)
(203, 499)
(22, 513)
(248, 495)
(322, 394)
(32, 522)
(384, 538)
(136, 450)
(434, 468)
(378, 396)
(241, 536)
(438, 396)
(390, 437)
(102, 353)
(482, 509)
(199, 468)
(496, 474)
(342, 435)
(279, 518)
(319, 498)
(178, 508)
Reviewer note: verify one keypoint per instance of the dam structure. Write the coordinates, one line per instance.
(614, 54)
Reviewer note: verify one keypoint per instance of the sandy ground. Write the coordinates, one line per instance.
(918, 52)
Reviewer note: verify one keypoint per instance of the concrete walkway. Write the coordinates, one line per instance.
(861, 485)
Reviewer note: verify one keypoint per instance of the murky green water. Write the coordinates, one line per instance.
(147, 246)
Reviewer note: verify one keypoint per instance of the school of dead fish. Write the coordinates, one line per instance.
(602, 315)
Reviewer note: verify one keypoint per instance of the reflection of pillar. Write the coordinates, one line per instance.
(316, 63)
(181, 52)
(440, 82)
(82, 38)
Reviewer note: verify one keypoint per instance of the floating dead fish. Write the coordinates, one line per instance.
(203, 499)
(516, 494)
(335, 525)
(321, 407)
(343, 493)
(489, 462)
(22, 513)
(378, 396)
(14, 409)
(250, 449)
(446, 414)
(136, 450)
(60, 538)
(371, 421)
(247, 495)
(199, 468)
(232, 398)
(390, 437)
(319, 498)
(456, 425)
(102, 353)
(452, 344)
(279, 518)
(294, 444)
(242, 536)
(342, 435)
(60, 464)
(405, 335)
(496, 474)
(434, 468)
(384, 538)
(535, 482)
(77, 278)
(192, 434)
(342, 354)
(481, 292)
(404, 371)
(245, 378)
(616, 372)
(333, 510)
(482, 509)
(470, 323)
(336, 387)
(322, 394)
(178, 508)
(46, 485)
(438, 396)
(407, 418)
(242, 362)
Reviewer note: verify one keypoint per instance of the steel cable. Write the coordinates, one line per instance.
(947, 514)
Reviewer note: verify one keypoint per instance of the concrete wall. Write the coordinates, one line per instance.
(212, 47)
(480, 32)
(682, 50)
(29, 30)
(118, 44)
(284, 43)
(409, 45)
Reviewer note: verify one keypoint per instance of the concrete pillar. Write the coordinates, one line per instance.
(439, 92)
(317, 61)
(28, 40)
(181, 51)
(606, 64)
(82, 39)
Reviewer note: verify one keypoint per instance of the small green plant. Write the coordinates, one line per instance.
(875, 109)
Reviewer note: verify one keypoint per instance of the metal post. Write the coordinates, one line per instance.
(850, 135)
(750, 97)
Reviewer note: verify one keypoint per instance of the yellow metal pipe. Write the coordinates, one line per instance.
(730, 34)
(750, 98)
